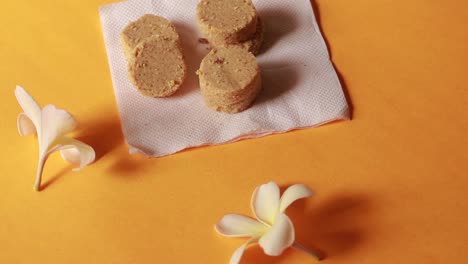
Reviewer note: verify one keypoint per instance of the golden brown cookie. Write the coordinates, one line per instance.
(145, 27)
(230, 79)
(227, 21)
(157, 67)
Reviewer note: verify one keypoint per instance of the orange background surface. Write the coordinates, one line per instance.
(391, 185)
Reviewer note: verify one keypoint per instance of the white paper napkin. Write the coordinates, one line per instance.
(300, 86)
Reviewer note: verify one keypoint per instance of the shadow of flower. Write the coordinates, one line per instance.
(57, 177)
(335, 227)
(103, 133)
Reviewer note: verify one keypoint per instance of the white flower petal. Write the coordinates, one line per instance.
(279, 237)
(55, 123)
(30, 107)
(25, 125)
(293, 193)
(234, 225)
(237, 255)
(75, 151)
(265, 202)
(51, 124)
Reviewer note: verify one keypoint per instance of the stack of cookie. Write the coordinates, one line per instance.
(230, 23)
(229, 75)
(229, 79)
(156, 64)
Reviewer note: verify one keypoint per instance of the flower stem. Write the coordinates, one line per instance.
(40, 168)
(312, 253)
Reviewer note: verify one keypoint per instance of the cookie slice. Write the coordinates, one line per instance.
(230, 79)
(157, 67)
(227, 21)
(145, 27)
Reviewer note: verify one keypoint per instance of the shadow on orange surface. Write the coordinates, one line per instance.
(57, 177)
(126, 164)
(317, 17)
(345, 92)
(332, 229)
(104, 134)
(335, 227)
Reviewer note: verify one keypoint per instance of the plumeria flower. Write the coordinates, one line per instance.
(51, 125)
(272, 228)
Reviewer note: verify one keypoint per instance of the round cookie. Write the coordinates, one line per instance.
(229, 79)
(145, 27)
(157, 67)
(227, 21)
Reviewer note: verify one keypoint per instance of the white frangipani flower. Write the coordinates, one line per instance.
(51, 125)
(272, 228)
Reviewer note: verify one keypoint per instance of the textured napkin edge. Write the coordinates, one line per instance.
(149, 154)
(346, 113)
